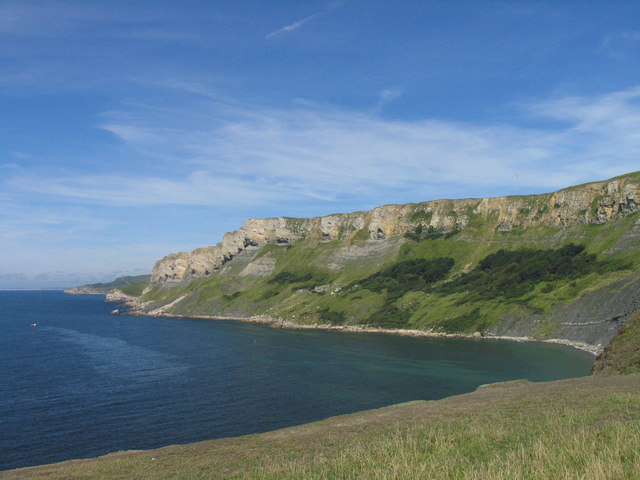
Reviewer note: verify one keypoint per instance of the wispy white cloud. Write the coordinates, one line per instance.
(261, 156)
(603, 130)
(591, 113)
(294, 26)
(386, 96)
(20, 220)
(389, 94)
(199, 188)
(621, 45)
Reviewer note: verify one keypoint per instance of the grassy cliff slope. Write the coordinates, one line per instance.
(133, 285)
(564, 265)
(622, 355)
(570, 429)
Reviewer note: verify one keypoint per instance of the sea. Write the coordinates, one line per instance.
(77, 382)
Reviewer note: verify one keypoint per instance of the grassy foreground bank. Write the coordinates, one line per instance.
(570, 429)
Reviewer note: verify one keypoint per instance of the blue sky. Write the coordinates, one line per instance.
(130, 130)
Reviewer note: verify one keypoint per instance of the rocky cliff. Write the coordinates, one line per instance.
(563, 266)
(593, 203)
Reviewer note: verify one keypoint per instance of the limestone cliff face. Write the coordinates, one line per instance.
(594, 203)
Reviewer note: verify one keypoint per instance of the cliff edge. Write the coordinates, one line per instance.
(561, 266)
(594, 203)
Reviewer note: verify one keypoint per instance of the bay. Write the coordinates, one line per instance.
(84, 383)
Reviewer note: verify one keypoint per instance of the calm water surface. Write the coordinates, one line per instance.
(84, 383)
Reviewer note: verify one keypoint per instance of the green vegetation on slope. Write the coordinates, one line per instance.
(492, 275)
(570, 429)
(506, 276)
(119, 282)
(508, 261)
(302, 280)
(622, 355)
(408, 275)
(429, 233)
(134, 289)
(513, 273)
(398, 279)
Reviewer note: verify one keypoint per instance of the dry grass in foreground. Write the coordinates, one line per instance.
(571, 429)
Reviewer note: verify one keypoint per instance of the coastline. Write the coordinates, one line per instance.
(280, 323)
(134, 309)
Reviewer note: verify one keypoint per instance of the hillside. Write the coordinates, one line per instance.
(563, 265)
(622, 354)
(570, 429)
(131, 284)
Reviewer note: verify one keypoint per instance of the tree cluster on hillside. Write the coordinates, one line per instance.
(408, 275)
(512, 273)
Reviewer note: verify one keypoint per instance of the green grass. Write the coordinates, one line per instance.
(296, 278)
(545, 329)
(540, 274)
(421, 215)
(134, 289)
(373, 291)
(513, 273)
(120, 283)
(471, 301)
(548, 445)
(571, 429)
(408, 275)
(622, 355)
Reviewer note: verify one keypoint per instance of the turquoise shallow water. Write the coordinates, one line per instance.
(84, 383)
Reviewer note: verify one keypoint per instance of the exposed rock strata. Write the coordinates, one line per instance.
(594, 203)
(365, 242)
(593, 319)
(117, 296)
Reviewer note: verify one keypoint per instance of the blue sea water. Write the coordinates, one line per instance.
(84, 383)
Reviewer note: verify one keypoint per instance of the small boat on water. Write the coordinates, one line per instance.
(34, 324)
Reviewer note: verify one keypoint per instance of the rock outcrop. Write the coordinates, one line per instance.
(593, 203)
(577, 257)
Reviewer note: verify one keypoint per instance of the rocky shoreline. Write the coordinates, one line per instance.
(134, 308)
(84, 290)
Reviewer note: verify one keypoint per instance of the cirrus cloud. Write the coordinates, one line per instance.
(252, 156)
